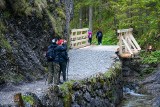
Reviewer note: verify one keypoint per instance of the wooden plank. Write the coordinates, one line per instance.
(132, 45)
(82, 40)
(135, 42)
(126, 55)
(125, 30)
(127, 45)
(120, 43)
(79, 36)
(77, 30)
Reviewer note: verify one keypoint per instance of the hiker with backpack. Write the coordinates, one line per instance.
(99, 36)
(63, 58)
(90, 36)
(53, 66)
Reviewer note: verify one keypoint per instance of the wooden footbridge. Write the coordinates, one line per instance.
(128, 46)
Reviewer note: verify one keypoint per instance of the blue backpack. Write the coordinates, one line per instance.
(50, 55)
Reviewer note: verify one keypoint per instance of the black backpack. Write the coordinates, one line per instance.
(99, 34)
(50, 55)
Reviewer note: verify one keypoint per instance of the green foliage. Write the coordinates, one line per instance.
(3, 41)
(57, 23)
(151, 58)
(147, 71)
(22, 7)
(66, 89)
(13, 77)
(2, 27)
(28, 99)
(141, 15)
(19, 6)
(61, 13)
(39, 6)
(114, 71)
(6, 14)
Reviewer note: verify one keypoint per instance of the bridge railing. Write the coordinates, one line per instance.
(79, 38)
(128, 46)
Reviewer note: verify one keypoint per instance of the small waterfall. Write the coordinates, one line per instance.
(131, 92)
(134, 99)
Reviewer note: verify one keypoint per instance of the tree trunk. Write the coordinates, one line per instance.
(80, 18)
(90, 17)
(69, 12)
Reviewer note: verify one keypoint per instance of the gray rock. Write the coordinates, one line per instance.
(75, 105)
(87, 97)
(156, 102)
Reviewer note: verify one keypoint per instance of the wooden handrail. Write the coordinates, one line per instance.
(79, 38)
(128, 46)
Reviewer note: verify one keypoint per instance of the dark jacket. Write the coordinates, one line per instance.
(61, 53)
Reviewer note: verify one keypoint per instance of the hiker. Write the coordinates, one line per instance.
(53, 66)
(62, 58)
(90, 36)
(99, 36)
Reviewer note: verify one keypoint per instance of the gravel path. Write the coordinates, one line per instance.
(84, 62)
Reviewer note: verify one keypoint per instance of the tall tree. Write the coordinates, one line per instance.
(90, 17)
(80, 17)
(69, 11)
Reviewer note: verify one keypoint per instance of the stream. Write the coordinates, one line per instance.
(134, 99)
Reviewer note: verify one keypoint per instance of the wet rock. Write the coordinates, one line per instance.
(152, 83)
(87, 97)
(98, 85)
(84, 88)
(45, 100)
(156, 102)
(76, 86)
(78, 97)
(89, 88)
(75, 105)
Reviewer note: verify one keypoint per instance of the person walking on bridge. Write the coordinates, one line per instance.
(99, 37)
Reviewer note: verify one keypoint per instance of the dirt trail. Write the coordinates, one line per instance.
(84, 62)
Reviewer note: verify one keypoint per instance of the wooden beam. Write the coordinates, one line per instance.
(130, 51)
(125, 30)
(135, 42)
(78, 30)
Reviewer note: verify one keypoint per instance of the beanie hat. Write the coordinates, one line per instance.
(60, 41)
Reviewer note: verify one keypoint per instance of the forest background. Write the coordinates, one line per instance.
(109, 15)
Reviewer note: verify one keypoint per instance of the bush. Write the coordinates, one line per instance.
(151, 58)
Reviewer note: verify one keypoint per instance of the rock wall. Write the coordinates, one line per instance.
(26, 28)
(102, 90)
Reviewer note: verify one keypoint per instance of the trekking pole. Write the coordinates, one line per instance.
(46, 78)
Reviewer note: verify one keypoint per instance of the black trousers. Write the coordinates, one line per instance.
(63, 66)
(99, 40)
(90, 40)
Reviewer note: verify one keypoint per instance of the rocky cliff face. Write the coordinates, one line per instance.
(26, 28)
